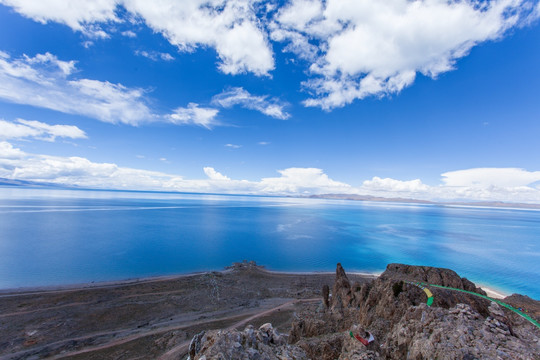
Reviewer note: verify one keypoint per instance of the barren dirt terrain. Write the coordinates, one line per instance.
(151, 318)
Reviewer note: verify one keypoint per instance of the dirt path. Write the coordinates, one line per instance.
(128, 335)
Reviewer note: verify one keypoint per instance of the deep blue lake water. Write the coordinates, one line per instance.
(52, 237)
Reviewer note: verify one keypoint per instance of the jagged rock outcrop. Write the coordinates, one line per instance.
(341, 292)
(250, 344)
(458, 333)
(325, 296)
(457, 326)
(431, 275)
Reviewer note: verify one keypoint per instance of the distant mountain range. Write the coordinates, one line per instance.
(416, 201)
(13, 182)
(24, 183)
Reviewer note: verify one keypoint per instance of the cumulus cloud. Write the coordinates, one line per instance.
(395, 186)
(214, 175)
(8, 152)
(238, 96)
(478, 184)
(83, 16)
(193, 114)
(47, 82)
(491, 177)
(377, 47)
(353, 48)
(303, 181)
(74, 171)
(230, 27)
(21, 129)
(509, 185)
(16, 164)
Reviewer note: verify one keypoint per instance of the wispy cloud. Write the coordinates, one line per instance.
(233, 146)
(32, 129)
(129, 33)
(47, 82)
(264, 104)
(155, 55)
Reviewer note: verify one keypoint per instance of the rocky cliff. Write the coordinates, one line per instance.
(393, 310)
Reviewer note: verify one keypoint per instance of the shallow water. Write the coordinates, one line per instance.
(51, 237)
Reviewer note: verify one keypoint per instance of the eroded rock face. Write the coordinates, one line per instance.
(341, 292)
(431, 275)
(459, 333)
(457, 325)
(249, 344)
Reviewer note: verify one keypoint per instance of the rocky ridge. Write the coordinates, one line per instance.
(457, 326)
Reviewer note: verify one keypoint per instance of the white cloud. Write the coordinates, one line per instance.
(479, 184)
(129, 33)
(263, 143)
(303, 181)
(154, 55)
(166, 56)
(377, 47)
(354, 48)
(193, 114)
(230, 27)
(47, 82)
(38, 130)
(491, 177)
(81, 16)
(7, 151)
(16, 164)
(510, 185)
(395, 186)
(233, 146)
(238, 96)
(297, 43)
(214, 175)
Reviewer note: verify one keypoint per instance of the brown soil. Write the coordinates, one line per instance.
(152, 318)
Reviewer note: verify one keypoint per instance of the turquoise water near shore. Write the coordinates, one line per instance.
(54, 237)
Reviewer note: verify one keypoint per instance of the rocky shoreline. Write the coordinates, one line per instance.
(246, 312)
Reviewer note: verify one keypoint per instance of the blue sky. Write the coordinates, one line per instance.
(425, 99)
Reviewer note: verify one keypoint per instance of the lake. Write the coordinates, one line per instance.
(58, 237)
